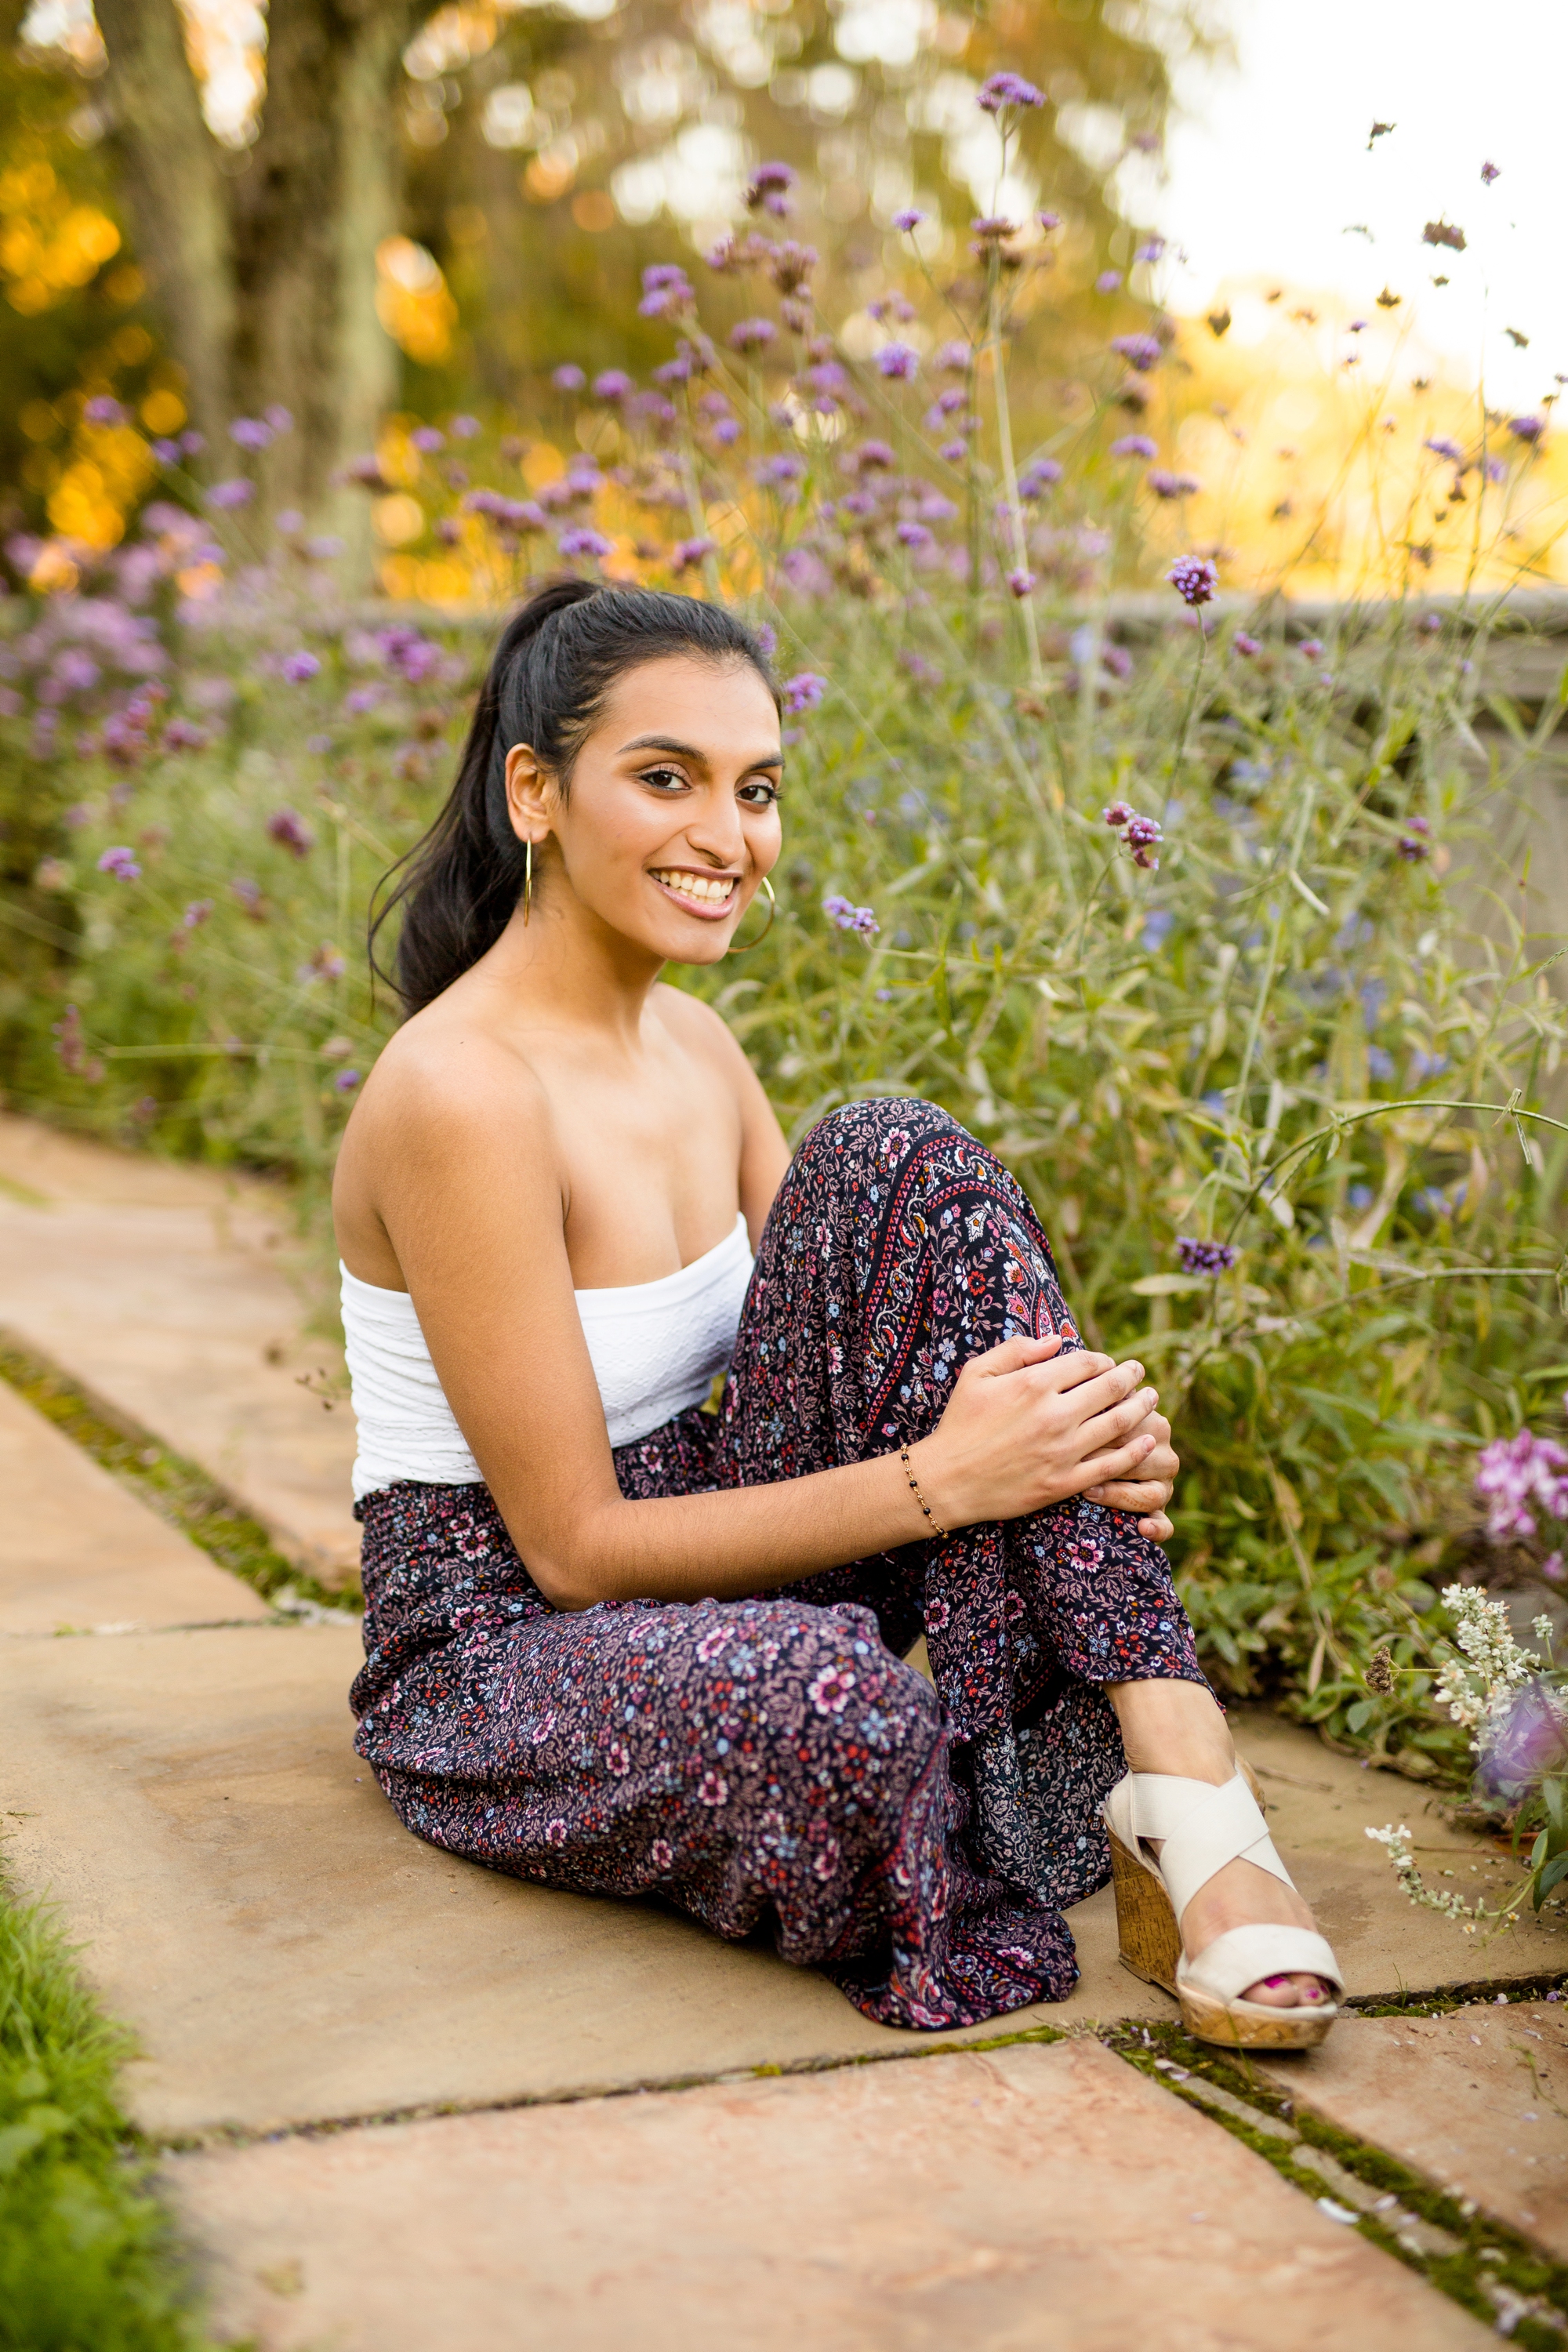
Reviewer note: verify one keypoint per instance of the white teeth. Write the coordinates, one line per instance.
(713, 889)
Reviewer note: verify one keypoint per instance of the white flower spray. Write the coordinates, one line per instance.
(1478, 1683)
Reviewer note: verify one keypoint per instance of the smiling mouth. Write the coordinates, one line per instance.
(701, 894)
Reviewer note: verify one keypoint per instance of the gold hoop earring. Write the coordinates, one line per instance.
(526, 882)
(766, 888)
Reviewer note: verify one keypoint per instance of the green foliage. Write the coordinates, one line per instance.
(88, 2260)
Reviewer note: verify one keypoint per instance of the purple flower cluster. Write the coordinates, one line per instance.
(288, 829)
(804, 692)
(1041, 475)
(1527, 428)
(1204, 1257)
(1005, 90)
(850, 918)
(1194, 579)
(583, 540)
(1140, 351)
(122, 863)
(666, 290)
(299, 667)
(1135, 445)
(909, 221)
(1166, 485)
(1512, 1473)
(226, 496)
(752, 334)
(1141, 835)
(897, 361)
(1244, 645)
(769, 189)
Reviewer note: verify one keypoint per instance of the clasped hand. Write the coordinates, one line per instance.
(1028, 1424)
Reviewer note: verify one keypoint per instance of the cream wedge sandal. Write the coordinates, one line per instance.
(1203, 1827)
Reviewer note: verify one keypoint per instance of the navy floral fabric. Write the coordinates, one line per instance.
(770, 1765)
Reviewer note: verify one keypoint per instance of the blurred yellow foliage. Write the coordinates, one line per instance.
(108, 471)
(49, 246)
(1312, 441)
(412, 300)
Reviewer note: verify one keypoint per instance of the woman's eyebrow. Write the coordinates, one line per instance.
(688, 751)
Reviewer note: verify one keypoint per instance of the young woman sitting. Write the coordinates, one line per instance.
(620, 1642)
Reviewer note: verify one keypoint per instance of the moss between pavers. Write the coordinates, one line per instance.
(1487, 2252)
(179, 1490)
(90, 2262)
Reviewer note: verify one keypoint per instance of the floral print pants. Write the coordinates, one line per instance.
(771, 1765)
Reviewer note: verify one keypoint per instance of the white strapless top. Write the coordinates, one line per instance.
(655, 1348)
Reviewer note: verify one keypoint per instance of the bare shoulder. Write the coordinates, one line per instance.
(446, 1089)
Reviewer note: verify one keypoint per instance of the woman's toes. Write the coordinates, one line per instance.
(1287, 1993)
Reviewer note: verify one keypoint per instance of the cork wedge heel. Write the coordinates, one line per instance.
(1201, 1829)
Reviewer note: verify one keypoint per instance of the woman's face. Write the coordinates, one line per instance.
(672, 817)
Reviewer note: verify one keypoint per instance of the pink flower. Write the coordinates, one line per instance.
(618, 1759)
(829, 1693)
(661, 1853)
(712, 1790)
(827, 1862)
(554, 1832)
(122, 863)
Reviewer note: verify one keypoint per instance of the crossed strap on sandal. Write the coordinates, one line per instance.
(1201, 1827)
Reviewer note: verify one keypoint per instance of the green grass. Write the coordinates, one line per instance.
(90, 2261)
(178, 1490)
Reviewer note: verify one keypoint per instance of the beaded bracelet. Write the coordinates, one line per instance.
(915, 1491)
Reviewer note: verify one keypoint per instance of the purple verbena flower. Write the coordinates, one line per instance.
(954, 358)
(1039, 476)
(298, 667)
(288, 829)
(1513, 1473)
(1527, 428)
(992, 228)
(688, 553)
(908, 221)
(235, 493)
(465, 428)
(849, 917)
(1242, 644)
(122, 863)
(1194, 579)
(568, 378)
(346, 1082)
(1152, 250)
(1021, 584)
(1108, 281)
(1004, 90)
(1412, 850)
(613, 385)
(897, 361)
(913, 535)
(1048, 221)
(103, 409)
(1166, 485)
(195, 914)
(1204, 1257)
(1117, 815)
(1488, 173)
(1140, 351)
(1134, 444)
(584, 542)
(752, 334)
(1310, 648)
(872, 457)
(281, 419)
(427, 439)
(804, 692)
(250, 433)
(1441, 446)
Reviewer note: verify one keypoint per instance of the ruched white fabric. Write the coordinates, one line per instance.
(656, 1349)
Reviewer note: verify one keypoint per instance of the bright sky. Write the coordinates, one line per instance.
(1269, 166)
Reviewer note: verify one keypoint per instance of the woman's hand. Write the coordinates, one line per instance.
(1026, 1426)
(1150, 1492)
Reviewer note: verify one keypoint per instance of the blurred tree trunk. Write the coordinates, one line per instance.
(263, 263)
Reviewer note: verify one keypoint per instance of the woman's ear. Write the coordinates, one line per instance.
(527, 794)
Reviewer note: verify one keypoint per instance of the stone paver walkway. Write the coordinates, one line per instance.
(1026, 2200)
(165, 1292)
(290, 1958)
(1476, 2099)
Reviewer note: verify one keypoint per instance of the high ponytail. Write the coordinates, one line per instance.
(558, 658)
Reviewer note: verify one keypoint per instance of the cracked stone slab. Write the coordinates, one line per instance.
(1028, 2199)
(164, 1291)
(80, 1554)
(289, 1953)
(1476, 2100)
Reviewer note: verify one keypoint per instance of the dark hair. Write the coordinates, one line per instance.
(557, 659)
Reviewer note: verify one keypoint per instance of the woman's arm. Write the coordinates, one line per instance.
(468, 1191)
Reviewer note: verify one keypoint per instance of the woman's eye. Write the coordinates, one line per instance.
(759, 794)
(664, 780)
